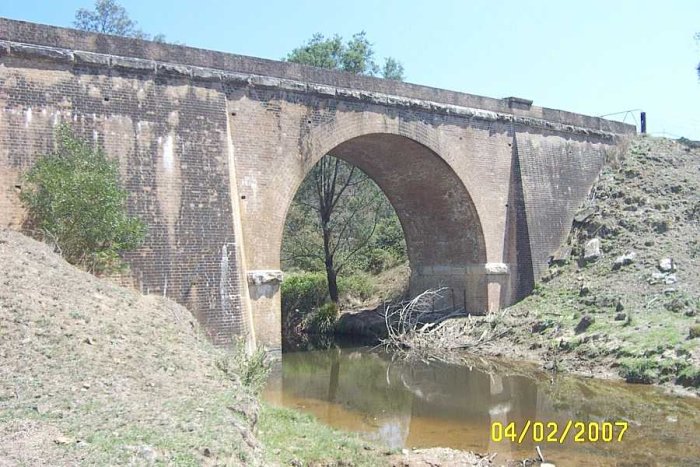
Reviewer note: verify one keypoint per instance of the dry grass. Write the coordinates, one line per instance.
(96, 374)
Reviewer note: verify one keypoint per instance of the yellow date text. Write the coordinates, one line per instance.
(555, 432)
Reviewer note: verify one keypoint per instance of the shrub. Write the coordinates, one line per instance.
(389, 237)
(250, 370)
(323, 319)
(303, 291)
(377, 260)
(639, 370)
(689, 376)
(689, 142)
(74, 199)
(694, 331)
(384, 250)
(308, 291)
(356, 285)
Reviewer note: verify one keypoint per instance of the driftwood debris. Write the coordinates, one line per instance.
(414, 326)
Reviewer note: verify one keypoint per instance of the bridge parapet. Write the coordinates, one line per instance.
(81, 47)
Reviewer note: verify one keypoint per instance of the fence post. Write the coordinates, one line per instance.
(643, 118)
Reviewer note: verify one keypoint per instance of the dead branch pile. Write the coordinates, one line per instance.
(415, 327)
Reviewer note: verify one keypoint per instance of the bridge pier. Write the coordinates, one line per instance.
(478, 288)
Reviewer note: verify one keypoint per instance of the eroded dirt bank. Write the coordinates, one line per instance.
(95, 374)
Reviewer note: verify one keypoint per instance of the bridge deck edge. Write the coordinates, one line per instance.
(57, 43)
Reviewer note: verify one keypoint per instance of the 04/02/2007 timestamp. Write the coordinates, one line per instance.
(554, 432)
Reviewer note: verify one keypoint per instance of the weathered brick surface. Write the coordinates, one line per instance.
(212, 148)
(170, 140)
(557, 174)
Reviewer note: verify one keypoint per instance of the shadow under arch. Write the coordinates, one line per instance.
(444, 236)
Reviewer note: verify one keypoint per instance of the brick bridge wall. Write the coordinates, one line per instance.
(213, 146)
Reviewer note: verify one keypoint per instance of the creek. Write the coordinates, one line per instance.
(404, 404)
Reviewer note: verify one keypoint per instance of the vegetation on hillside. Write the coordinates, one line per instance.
(634, 303)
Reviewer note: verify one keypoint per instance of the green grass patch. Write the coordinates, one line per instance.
(291, 437)
(639, 370)
(689, 376)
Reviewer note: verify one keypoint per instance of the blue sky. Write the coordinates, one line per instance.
(593, 57)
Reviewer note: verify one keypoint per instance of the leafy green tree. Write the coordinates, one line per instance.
(336, 211)
(319, 52)
(355, 56)
(109, 17)
(74, 199)
(392, 69)
(358, 56)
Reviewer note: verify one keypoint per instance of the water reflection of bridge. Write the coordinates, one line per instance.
(407, 404)
(436, 404)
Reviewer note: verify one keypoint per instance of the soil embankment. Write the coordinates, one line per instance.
(95, 374)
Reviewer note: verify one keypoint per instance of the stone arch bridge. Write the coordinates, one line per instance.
(212, 148)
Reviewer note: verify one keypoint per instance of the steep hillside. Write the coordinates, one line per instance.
(622, 296)
(95, 374)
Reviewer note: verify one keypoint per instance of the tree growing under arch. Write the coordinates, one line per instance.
(338, 211)
(334, 217)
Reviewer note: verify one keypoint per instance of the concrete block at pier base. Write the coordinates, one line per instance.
(265, 276)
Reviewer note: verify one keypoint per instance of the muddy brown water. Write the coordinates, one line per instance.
(429, 404)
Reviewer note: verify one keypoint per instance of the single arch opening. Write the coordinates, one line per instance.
(426, 205)
(341, 224)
